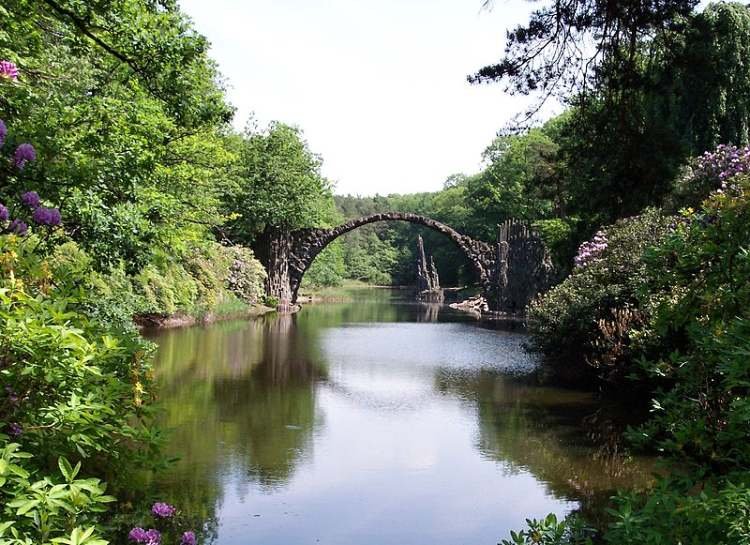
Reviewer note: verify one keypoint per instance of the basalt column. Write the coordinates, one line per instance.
(522, 268)
(428, 282)
(273, 250)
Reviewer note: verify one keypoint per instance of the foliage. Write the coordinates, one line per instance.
(74, 389)
(544, 56)
(245, 275)
(685, 335)
(570, 324)
(699, 299)
(51, 512)
(279, 184)
(122, 104)
(548, 531)
(705, 71)
(675, 512)
(521, 181)
(711, 171)
(67, 372)
(328, 267)
(559, 236)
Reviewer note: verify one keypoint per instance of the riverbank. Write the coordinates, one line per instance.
(180, 319)
(335, 294)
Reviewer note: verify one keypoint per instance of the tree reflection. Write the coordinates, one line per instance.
(237, 397)
(559, 436)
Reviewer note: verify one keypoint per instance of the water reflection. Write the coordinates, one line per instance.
(371, 422)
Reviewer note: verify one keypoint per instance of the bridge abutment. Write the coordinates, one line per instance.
(274, 252)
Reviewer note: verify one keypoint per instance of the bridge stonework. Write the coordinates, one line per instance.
(511, 271)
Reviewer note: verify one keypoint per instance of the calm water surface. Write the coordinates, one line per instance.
(376, 421)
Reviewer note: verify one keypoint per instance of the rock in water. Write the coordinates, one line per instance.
(428, 281)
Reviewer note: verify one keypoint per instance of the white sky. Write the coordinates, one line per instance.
(378, 87)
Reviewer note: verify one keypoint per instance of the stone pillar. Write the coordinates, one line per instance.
(428, 281)
(521, 269)
(433, 275)
(273, 250)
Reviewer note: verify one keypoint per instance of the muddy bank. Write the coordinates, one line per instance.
(169, 321)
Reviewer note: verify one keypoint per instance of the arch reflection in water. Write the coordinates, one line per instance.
(371, 422)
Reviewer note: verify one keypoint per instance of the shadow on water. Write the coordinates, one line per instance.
(374, 421)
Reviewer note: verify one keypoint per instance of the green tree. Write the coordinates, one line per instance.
(279, 184)
(128, 118)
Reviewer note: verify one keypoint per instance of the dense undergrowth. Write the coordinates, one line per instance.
(76, 403)
(660, 303)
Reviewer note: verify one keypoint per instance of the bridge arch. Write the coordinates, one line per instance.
(306, 244)
(288, 255)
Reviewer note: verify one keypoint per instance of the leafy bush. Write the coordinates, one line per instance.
(111, 234)
(699, 297)
(219, 268)
(714, 170)
(48, 510)
(549, 531)
(214, 278)
(682, 511)
(576, 324)
(691, 291)
(74, 390)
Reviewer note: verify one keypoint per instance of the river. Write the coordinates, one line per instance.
(374, 421)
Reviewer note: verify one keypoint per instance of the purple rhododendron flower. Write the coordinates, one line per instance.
(4, 214)
(147, 537)
(723, 164)
(15, 429)
(188, 538)
(46, 216)
(31, 199)
(18, 227)
(8, 70)
(163, 510)
(591, 250)
(3, 132)
(138, 535)
(24, 153)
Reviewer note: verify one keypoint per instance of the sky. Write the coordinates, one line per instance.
(378, 87)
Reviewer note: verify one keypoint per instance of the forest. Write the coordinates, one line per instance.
(126, 196)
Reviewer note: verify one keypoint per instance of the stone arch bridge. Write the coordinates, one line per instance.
(510, 271)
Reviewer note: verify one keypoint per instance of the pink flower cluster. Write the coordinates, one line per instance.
(163, 510)
(724, 163)
(8, 70)
(591, 250)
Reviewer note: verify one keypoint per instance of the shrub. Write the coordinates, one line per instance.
(682, 511)
(692, 295)
(166, 289)
(581, 326)
(714, 170)
(699, 298)
(73, 390)
(245, 275)
(549, 531)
